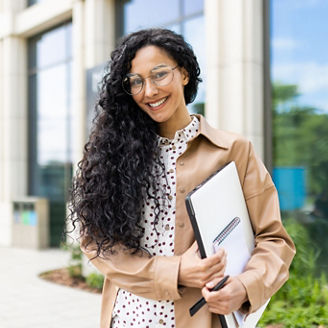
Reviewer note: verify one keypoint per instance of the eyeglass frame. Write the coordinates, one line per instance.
(144, 79)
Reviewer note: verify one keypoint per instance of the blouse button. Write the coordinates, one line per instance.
(171, 171)
(167, 227)
(174, 148)
(161, 321)
(170, 197)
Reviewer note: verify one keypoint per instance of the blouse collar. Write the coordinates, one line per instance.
(185, 134)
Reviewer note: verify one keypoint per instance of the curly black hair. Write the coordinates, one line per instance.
(117, 172)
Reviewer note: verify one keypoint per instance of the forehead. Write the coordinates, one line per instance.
(148, 57)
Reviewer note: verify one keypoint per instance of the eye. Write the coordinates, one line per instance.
(160, 75)
(136, 82)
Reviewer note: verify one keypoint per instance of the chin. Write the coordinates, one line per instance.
(158, 117)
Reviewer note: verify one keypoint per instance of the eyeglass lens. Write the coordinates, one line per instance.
(159, 76)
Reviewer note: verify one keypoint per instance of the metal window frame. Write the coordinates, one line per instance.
(267, 87)
(32, 178)
(181, 19)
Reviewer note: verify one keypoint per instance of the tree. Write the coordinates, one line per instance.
(300, 136)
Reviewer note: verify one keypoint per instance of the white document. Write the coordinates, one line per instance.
(219, 216)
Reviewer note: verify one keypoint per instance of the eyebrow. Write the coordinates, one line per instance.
(155, 67)
(159, 66)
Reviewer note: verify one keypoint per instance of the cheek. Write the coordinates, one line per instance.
(179, 91)
(136, 99)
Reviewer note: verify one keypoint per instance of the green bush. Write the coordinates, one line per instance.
(75, 262)
(303, 300)
(95, 280)
(75, 271)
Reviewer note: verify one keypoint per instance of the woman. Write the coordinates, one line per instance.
(144, 155)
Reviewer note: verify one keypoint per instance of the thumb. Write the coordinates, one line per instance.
(194, 247)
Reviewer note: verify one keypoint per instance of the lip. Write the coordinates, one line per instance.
(157, 107)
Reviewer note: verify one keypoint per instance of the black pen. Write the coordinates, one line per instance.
(202, 301)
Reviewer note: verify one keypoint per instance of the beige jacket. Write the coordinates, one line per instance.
(157, 277)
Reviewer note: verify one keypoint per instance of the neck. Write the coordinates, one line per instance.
(169, 128)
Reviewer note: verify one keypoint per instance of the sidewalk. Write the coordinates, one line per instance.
(26, 301)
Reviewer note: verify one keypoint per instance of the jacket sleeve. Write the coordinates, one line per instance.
(267, 269)
(150, 277)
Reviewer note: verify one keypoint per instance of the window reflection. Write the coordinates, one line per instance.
(300, 115)
(194, 34)
(33, 2)
(193, 6)
(52, 93)
(48, 51)
(50, 150)
(149, 13)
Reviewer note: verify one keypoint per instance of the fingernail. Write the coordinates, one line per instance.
(210, 284)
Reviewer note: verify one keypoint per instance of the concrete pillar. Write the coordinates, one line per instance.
(99, 31)
(78, 80)
(2, 127)
(13, 120)
(13, 6)
(234, 90)
(14, 116)
(93, 37)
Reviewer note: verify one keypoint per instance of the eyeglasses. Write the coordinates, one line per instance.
(160, 75)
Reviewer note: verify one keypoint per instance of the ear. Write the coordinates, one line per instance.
(185, 76)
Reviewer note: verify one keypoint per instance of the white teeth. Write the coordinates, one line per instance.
(160, 102)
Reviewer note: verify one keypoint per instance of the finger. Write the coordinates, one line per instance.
(223, 261)
(222, 296)
(211, 284)
(218, 268)
(214, 302)
(210, 296)
(205, 293)
(194, 247)
(207, 274)
(219, 253)
(219, 256)
(215, 273)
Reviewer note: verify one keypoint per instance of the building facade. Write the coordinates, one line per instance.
(46, 49)
(264, 76)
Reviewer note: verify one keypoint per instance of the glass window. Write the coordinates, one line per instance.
(33, 2)
(175, 28)
(52, 114)
(299, 71)
(149, 13)
(193, 7)
(50, 122)
(194, 34)
(47, 50)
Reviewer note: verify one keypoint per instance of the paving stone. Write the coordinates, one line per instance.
(28, 301)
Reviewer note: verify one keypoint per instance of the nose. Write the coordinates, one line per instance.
(150, 88)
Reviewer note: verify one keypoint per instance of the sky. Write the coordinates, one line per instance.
(299, 48)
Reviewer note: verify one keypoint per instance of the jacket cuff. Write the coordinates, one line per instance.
(254, 290)
(166, 277)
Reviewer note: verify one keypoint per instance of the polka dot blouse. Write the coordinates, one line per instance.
(134, 311)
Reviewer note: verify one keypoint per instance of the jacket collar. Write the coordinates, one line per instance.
(215, 136)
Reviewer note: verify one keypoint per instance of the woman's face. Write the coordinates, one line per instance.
(162, 103)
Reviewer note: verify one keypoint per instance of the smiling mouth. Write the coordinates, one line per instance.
(157, 103)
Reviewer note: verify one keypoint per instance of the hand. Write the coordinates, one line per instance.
(226, 300)
(196, 272)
